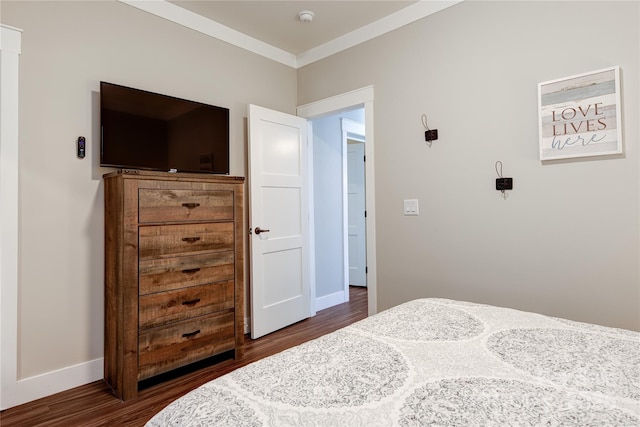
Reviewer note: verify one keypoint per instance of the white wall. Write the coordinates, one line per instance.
(67, 49)
(566, 240)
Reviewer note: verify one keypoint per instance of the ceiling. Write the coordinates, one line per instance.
(272, 28)
(277, 23)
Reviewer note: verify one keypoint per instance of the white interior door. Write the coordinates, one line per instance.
(356, 214)
(280, 265)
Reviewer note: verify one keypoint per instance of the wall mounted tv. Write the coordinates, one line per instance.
(145, 130)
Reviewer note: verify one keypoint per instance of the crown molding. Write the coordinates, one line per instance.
(382, 26)
(186, 18)
(209, 27)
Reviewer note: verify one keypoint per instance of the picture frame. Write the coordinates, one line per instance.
(579, 116)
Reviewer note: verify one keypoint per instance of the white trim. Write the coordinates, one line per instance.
(14, 391)
(354, 130)
(10, 49)
(10, 39)
(345, 214)
(313, 306)
(387, 24)
(336, 103)
(370, 196)
(331, 300)
(189, 19)
(39, 386)
(363, 96)
(209, 27)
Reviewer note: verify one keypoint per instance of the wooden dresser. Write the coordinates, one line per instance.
(174, 274)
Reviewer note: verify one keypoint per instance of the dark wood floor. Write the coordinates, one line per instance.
(94, 405)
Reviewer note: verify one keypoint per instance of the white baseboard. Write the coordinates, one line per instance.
(329, 300)
(39, 386)
(43, 385)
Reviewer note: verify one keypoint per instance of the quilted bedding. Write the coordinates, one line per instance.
(432, 362)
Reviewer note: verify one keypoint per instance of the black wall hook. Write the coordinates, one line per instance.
(502, 183)
(429, 134)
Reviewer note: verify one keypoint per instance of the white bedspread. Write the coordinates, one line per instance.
(433, 362)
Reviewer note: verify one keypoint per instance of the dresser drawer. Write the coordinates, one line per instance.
(172, 306)
(165, 274)
(174, 205)
(165, 348)
(160, 240)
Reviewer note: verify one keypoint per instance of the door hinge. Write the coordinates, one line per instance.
(365, 214)
(364, 159)
(366, 270)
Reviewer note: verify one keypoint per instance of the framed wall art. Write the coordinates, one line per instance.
(579, 116)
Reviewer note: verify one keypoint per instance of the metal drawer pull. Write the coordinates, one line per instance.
(191, 334)
(191, 270)
(191, 205)
(261, 230)
(191, 302)
(190, 239)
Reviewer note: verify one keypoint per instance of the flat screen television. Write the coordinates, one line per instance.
(145, 130)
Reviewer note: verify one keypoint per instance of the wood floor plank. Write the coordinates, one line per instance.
(93, 405)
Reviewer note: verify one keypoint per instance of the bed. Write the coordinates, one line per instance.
(432, 362)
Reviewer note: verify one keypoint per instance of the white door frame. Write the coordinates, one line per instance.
(363, 96)
(10, 49)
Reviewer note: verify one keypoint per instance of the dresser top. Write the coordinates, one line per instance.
(169, 176)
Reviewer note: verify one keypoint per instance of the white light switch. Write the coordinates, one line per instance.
(411, 207)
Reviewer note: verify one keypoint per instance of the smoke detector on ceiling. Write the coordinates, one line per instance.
(306, 16)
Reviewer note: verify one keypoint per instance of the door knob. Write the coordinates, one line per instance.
(259, 230)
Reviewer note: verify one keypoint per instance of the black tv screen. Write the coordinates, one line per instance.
(145, 130)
